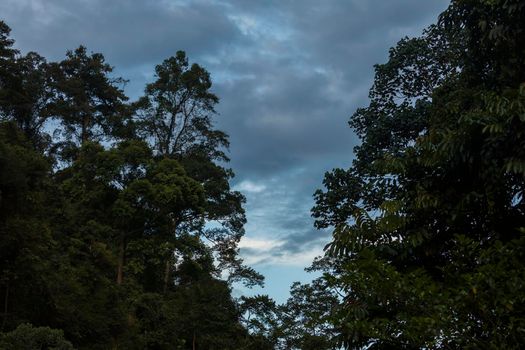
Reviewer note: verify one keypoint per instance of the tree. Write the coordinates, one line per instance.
(175, 117)
(6, 44)
(109, 236)
(25, 239)
(23, 88)
(87, 101)
(26, 97)
(428, 218)
(305, 321)
(306, 317)
(175, 112)
(261, 317)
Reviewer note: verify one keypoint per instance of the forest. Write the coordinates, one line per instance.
(119, 227)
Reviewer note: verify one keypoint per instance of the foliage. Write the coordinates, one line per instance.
(110, 236)
(117, 220)
(306, 317)
(303, 322)
(429, 219)
(176, 110)
(25, 336)
(86, 101)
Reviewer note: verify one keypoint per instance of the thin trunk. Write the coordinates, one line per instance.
(120, 268)
(194, 343)
(85, 127)
(6, 302)
(167, 272)
(186, 118)
(169, 135)
(114, 344)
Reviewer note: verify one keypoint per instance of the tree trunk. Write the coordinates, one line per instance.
(120, 268)
(167, 272)
(194, 342)
(114, 344)
(6, 303)
(85, 126)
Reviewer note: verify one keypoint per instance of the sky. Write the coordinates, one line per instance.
(289, 74)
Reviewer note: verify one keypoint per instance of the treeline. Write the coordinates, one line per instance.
(117, 219)
(428, 250)
(118, 226)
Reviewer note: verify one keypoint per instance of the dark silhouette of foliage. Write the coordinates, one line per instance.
(105, 235)
(429, 219)
(119, 229)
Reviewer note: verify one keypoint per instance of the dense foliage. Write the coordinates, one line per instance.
(119, 230)
(117, 220)
(429, 245)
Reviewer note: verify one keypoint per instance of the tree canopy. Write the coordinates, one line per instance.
(429, 219)
(119, 228)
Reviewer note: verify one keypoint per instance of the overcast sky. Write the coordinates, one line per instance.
(289, 74)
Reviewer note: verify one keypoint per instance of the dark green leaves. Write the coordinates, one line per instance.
(427, 220)
(116, 220)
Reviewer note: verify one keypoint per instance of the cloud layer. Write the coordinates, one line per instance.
(289, 74)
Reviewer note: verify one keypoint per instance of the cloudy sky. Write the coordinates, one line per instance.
(289, 74)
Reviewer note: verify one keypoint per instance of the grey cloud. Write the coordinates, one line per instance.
(128, 32)
(292, 120)
(280, 214)
(295, 102)
(304, 240)
(289, 74)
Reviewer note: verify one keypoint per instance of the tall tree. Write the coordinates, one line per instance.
(88, 102)
(25, 238)
(7, 52)
(177, 109)
(119, 242)
(428, 219)
(24, 90)
(26, 97)
(176, 117)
